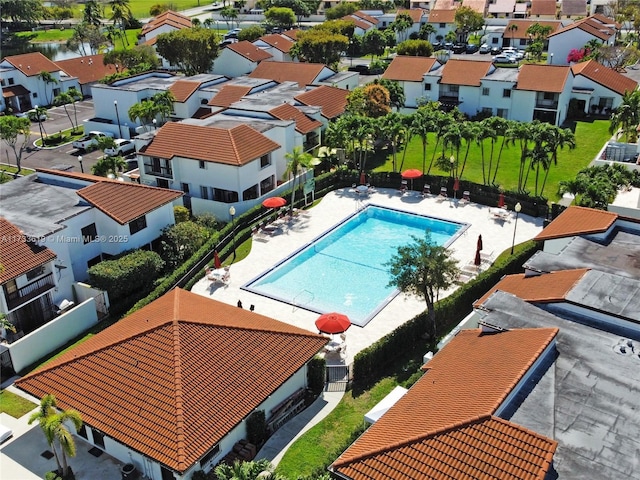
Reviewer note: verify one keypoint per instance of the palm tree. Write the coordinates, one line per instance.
(107, 166)
(53, 426)
(512, 29)
(391, 128)
(499, 127)
(121, 14)
(164, 104)
(469, 131)
(297, 160)
(64, 98)
(48, 79)
(142, 112)
(627, 116)
(426, 31)
(92, 13)
(422, 125)
(4, 322)
(36, 115)
(75, 97)
(441, 121)
(520, 133)
(557, 138)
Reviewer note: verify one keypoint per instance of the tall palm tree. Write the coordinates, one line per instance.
(469, 131)
(164, 104)
(36, 115)
(422, 125)
(76, 96)
(440, 121)
(143, 112)
(121, 15)
(62, 99)
(298, 160)
(512, 29)
(499, 126)
(627, 116)
(53, 426)
(48, 79)
(391, 128)
(519, 133)
(557, 138)
(92, 13)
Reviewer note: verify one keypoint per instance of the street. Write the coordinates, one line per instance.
(64, 157)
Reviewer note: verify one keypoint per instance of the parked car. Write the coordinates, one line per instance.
(514, 52)
(484, 48)
(504, 59)
(471, 48)
(228, 41)
(361, 69)
(459, 48)
(90, 140)
(495, 51)
(123, 147)
(437, 46)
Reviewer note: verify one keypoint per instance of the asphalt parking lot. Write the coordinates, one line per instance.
(63, 157)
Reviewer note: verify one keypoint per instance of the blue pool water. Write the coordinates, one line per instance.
(343, 269)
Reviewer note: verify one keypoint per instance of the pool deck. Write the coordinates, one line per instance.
(267, 250)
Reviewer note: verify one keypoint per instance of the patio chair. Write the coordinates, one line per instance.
(426, 191)
(465, 197)
(443, 194)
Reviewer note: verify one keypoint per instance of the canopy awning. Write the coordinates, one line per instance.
(373, 415)
(14, 91)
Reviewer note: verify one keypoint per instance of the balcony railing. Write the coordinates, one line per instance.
(548, 104)
(30, 291)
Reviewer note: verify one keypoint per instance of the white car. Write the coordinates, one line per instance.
(90, 140)
(123, 147)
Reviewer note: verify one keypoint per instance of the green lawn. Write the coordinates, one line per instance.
(590, 137)
(317, 446)
(14, 405)
(62, 35)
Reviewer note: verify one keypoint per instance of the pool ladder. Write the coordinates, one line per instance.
(295, 299)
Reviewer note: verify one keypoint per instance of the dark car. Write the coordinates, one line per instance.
(495, 51)
(361, 69)
(459, 48)
(448, 45)
(472, 48)
(437, 46)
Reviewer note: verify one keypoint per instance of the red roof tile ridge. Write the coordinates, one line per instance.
(181, 453)
(80, 176)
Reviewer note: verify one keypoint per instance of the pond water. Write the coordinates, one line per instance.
(52, 50)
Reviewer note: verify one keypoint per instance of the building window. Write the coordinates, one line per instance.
(89, 233)
(506, 93)
(265, 161)
(209, 456)
(502, 112)
(485, 91)
(98, 438)
(10, 80)
(204, 192)
(442, 25)
(185, 187)
(2, 82)
(427, 86)
(83, 431)
(549, 96)
(35, 272)
(138, 224)
(202, 164)
(487, 111)
(35, 94)
(494, 40)
(162, 183)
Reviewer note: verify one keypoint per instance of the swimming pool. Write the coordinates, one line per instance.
(343, 269)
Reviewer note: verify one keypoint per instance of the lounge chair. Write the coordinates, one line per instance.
(426, 191)
(465, 197)
(443, 194)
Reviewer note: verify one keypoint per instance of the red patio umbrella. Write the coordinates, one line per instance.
(456, 187)
(501, 200)
(363, 178)
(274, 202)
(333, 323)
(216, 260)
(477, 261)
(479, 242)
(411, 174)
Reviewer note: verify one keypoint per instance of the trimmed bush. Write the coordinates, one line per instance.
(315, 375)
(257, 428)
(132, 273)
(181, 214)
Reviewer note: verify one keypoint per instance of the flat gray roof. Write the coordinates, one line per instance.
(619, 257)
(587, 400)
(36, 208)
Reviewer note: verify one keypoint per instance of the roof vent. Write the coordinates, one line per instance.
(625, 347)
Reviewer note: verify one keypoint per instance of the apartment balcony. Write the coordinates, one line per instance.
(162, 172)
(547, 104)
(30, 291)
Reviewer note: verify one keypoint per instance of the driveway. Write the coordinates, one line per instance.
(64, 157)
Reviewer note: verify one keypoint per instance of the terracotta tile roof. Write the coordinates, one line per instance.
(172, 379)
(14, 91)
(475, 5)
(444, 5)
(465, 72)
(17, 255)
(183, 89)
(236, 146)
(408, 69)
(487, 447)
(578, 221)
(598, 17)
(366, 17)
(545, 288)
(32, 64)
(463, 384)
(229, 94)
(304, 124)
(303, 73)
(573, 7)
(169, 17)
(359, 23)
(543, 78)
(604, 76)
(542, 7)
(442, 16)
(249, 51)
(523, 25)
(415, 13)
(292, 33)
(332, 100)
(87, 69)
(126, 201)
(590, 26)
(278, 41)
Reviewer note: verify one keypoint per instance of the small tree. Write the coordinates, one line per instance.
(180, 241)
(423, 268)
(48, 79)
(297, 160)
(53, 426)
(16, 133)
